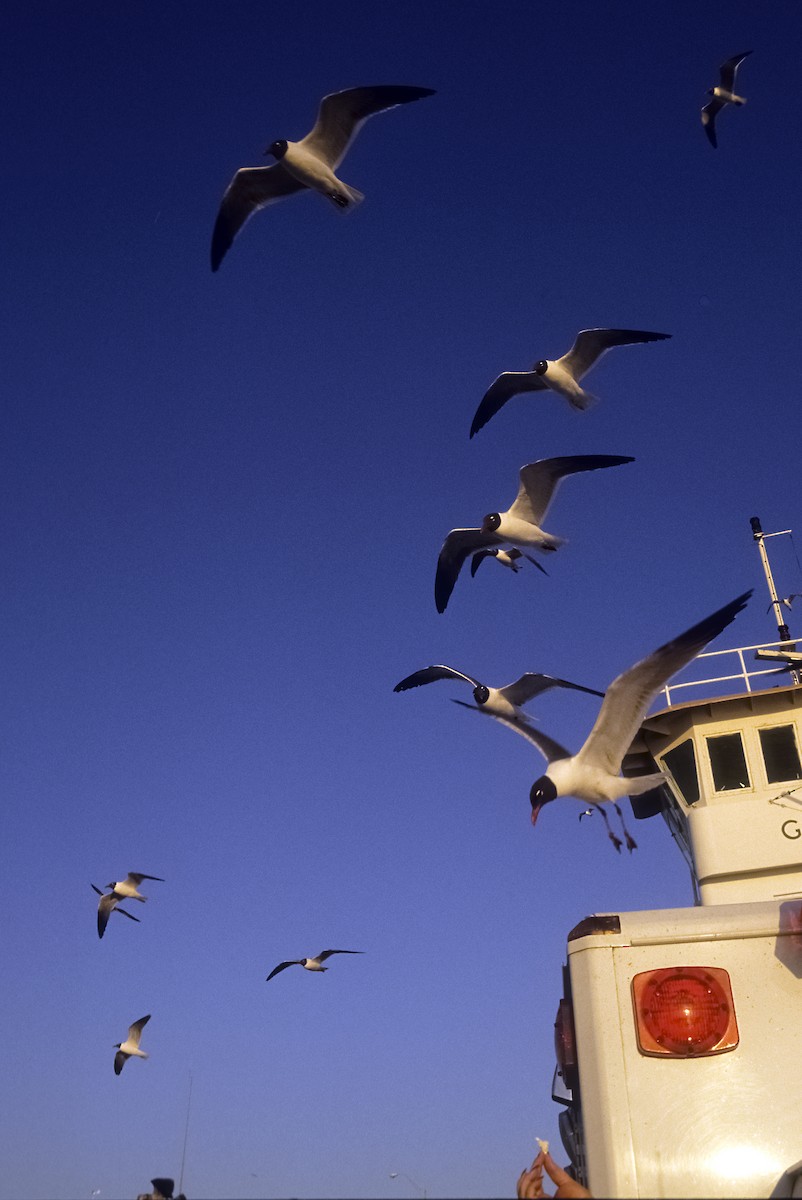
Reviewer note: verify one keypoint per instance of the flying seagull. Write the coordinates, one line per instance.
(507, 558)
(519, 524)
(562, 375)
(130, 1047)
(495, 702)
(311, 964)
(592, 775)
(310, 163)
(722, 95)
(108, 905)
(786, 600)
(126, 889)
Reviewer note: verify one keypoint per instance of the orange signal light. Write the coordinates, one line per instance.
(684, 1012)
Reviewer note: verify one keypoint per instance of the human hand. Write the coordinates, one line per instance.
(530, 1183)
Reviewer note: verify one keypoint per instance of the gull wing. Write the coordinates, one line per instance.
(104, 909)
(251, 188)
(135, 1030)
(124, 913)
(628, 697)
(546, 745)
(729, 69)
(532, 684)
(136, 877)
(514, 553)
(458, 545)
(292, 962)
(430, 675)
(342, 114)
(478, 559)
(120, 1060)
(540, 480)
(324, 954)
(509, 384)
(709, 119)
(591, 344)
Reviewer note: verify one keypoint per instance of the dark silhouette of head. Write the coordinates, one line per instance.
(541, 792)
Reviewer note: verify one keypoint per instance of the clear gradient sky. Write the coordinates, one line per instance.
(223, 500)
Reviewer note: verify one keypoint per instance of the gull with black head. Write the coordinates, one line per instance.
(561, 375)
(130, 1047)
(503, 703)
(127, 889)
(723, 95)
(593, 774)
(309, 164)
(519, 525)
(310, 964)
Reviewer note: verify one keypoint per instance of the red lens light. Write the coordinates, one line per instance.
(565, 1042)
(684, 1012)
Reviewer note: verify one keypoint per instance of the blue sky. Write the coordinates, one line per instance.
(223, 500)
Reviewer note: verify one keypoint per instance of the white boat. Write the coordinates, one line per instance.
(679, 1034)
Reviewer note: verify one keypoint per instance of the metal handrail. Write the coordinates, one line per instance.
(744, 675)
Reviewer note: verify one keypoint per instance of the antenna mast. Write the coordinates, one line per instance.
(186, 1132)
(776, 604)
(760, 536)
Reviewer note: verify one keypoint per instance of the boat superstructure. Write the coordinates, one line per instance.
(679, 1034)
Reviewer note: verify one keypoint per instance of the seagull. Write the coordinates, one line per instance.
(130, 1047)
(495, 702)
(519, 524)
(507, 558)
(126, 889)
(108, 905)
(786, 600)
(562, 375)
(722, 95)
(593, 775)
(311, 964)
(309, 163)
(501, 702)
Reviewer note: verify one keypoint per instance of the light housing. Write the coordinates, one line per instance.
(684, 1012)
(565, 1043)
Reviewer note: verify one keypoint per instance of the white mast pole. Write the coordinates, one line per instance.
(186, 1132)
(782, 628)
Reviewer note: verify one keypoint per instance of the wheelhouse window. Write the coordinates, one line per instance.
(780, 753)
(681, 762)
(728, 762)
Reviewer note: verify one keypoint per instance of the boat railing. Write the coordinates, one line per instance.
(751, 675)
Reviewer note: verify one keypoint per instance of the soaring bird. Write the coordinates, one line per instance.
(519, 524)
(562, 375)
(593, 775)
(722, 95)
(506, 558)
(108, 905)
(130, 1047)
(310, 163)
(126, 889)
(311, 964)
(496, 702)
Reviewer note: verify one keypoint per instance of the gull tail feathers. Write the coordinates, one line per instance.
(583, 401)
(348, 199)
